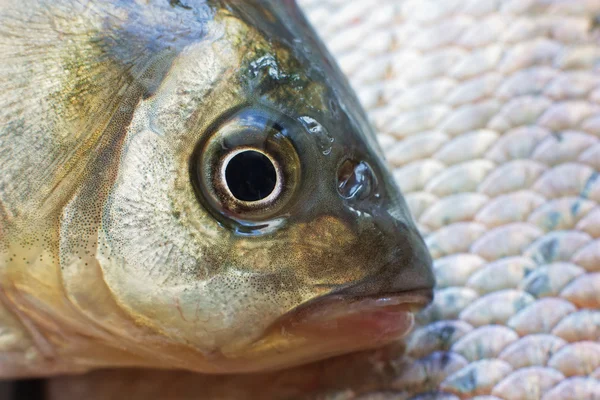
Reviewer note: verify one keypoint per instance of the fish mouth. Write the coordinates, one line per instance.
(361, 322)
(334, 324)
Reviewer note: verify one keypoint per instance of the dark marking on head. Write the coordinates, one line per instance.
(146, 42)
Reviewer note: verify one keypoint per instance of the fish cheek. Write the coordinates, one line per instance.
(170, 265)
(323, 254)
(330, 253)
(150, 241)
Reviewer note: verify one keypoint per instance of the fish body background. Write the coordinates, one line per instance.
(128, 238)
(488, 111)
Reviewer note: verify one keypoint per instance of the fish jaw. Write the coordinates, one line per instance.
(335, 325)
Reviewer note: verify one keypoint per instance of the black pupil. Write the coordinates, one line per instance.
(250, 176)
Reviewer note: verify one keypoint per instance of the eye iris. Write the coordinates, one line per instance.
(250, 176)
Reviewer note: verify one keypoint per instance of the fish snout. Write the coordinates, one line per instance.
(406, 271)
(400, 262)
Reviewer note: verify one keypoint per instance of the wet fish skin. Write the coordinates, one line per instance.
(488, 111)
(119, 248)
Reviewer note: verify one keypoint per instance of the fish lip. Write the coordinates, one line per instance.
(409, 301)
(340, 323)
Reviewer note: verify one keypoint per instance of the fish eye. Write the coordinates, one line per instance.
(246, 168)
(250, 175)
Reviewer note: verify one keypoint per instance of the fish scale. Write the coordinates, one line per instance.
(489, 114)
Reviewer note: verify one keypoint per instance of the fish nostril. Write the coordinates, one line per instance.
(356, 180)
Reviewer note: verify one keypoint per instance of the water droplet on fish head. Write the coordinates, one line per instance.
(319, 132)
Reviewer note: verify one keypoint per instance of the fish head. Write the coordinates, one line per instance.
(252, 220)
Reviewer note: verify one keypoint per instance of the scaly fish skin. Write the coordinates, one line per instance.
(129, 232)
(488, 111)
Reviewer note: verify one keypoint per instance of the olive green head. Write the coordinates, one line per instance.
(245, 191)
